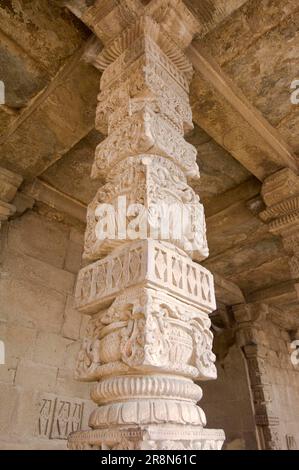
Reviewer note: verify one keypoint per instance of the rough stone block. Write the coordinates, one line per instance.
(70, 355)
(36, 376)
(19, 341)
(9, 400)
(24, 415)
(67, 385)
(50, 349)
(31, 305)
(72, 320)
(7, 374)
(73, 257)
(76, 236)
(38, 237)
(38, 272)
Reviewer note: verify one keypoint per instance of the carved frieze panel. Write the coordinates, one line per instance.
(280, 186)
(291, 442)
(45, 418)
(67, 418)
(281, 195)
(59, 416)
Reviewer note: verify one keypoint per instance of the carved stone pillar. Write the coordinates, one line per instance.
(251, 320)
(149, 334)
(9, 184)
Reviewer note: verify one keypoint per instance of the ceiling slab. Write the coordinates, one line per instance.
(222, 110)
(59, 118)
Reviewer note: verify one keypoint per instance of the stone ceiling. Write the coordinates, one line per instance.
(244, 130)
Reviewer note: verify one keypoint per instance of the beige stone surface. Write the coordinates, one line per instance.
(39, 238)
(245, 134)
(72, 320)
(39, 328)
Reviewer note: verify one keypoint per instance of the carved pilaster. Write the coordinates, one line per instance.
(250, 319)
(149, 334)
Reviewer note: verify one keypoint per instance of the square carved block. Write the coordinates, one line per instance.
(147, 197)
(147, 330)
(146, 263)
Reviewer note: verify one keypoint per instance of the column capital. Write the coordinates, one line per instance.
(281, 195)
(109, 18)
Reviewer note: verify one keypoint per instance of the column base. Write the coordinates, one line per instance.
(150, 437)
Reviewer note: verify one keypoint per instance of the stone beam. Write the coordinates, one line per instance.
(241, 193)
(221, 109)
(288, 321)
(45, 193)
(278, 294)
(149, 299)
(59, 117)
(227, 293)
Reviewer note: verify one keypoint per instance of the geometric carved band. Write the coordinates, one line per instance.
(59, 416)
(146, 263)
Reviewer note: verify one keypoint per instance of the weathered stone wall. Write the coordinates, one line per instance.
(40, 401)
(227, 401)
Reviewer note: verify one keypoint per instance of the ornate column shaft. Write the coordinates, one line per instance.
(149, 334)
